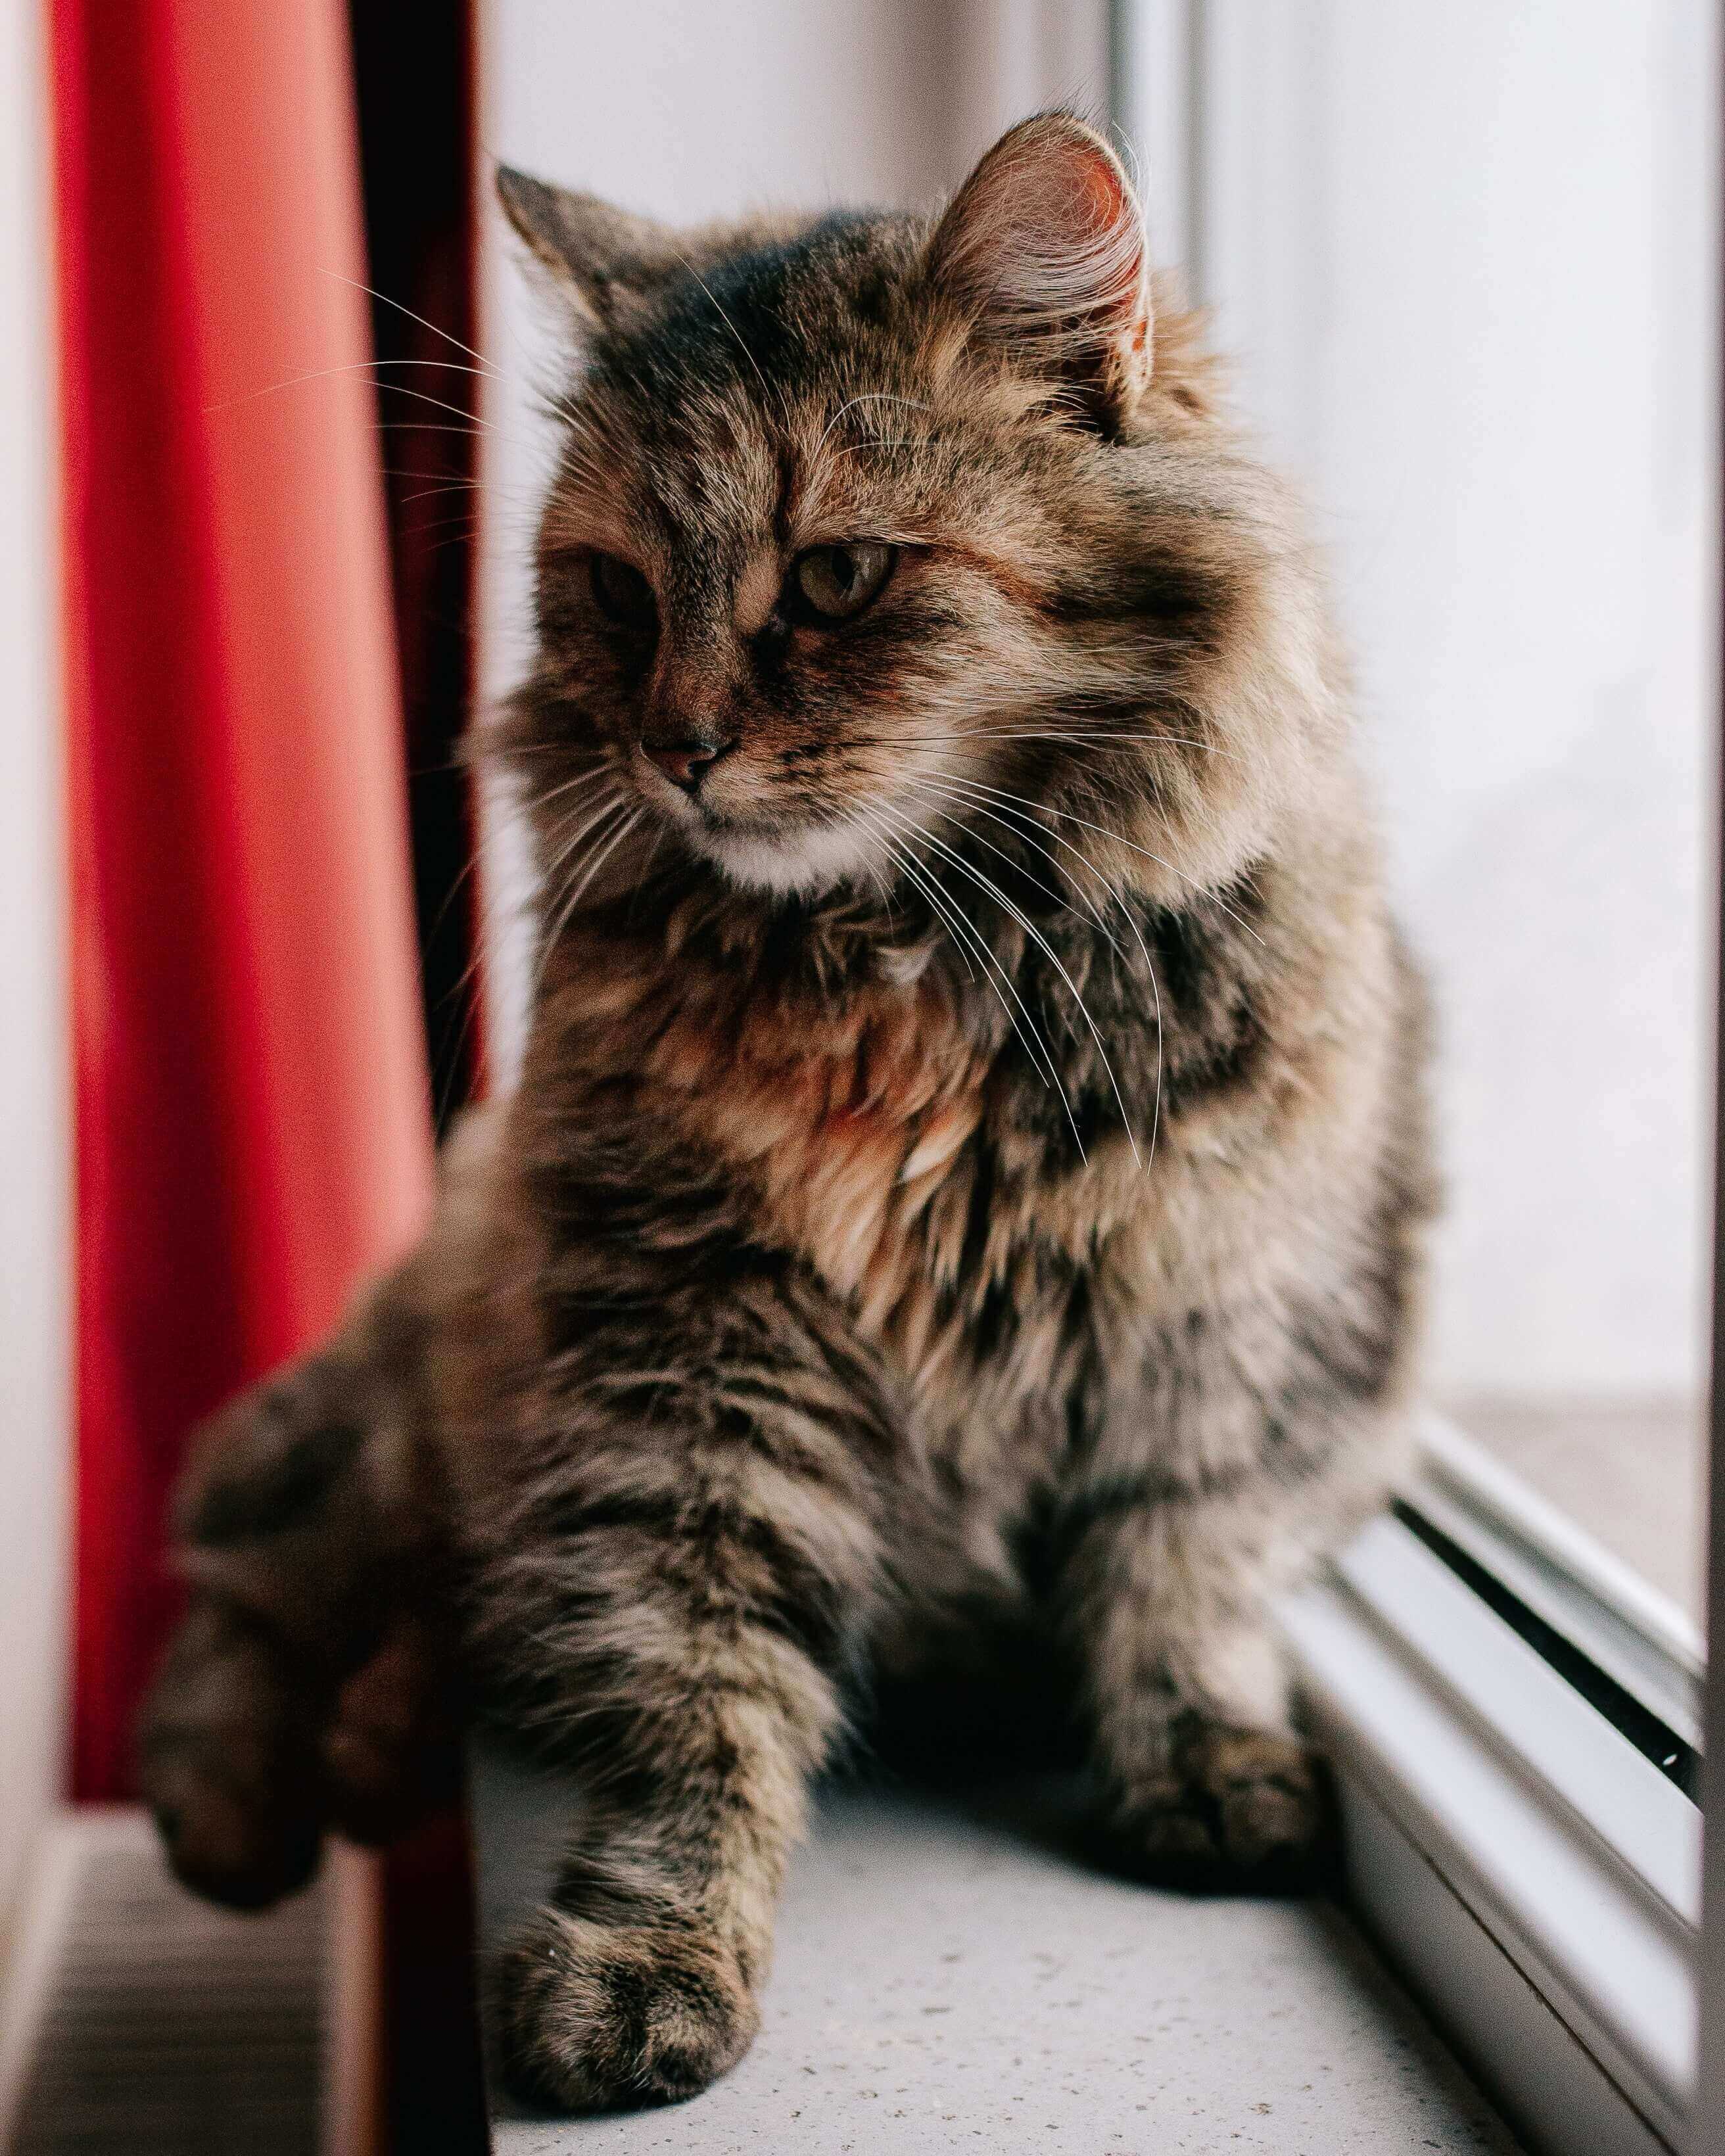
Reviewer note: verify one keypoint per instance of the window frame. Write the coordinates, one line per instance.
(1529, 1871)
(1708, 2130)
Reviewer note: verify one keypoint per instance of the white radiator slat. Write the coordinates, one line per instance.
(164, 2027)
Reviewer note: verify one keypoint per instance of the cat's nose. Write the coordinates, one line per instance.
(685, 761)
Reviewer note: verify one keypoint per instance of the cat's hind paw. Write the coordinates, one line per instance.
(302, 1693)
(227, 1765)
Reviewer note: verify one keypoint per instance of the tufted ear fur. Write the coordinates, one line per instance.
(1044, 244)
(603, 261)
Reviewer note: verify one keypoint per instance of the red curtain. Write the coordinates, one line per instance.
(252, 1126)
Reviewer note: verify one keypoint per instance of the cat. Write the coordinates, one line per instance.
(969, 1178)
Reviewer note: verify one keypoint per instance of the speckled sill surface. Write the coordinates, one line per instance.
(949, 1979)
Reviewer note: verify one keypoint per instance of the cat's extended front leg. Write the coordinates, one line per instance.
(671, 1590)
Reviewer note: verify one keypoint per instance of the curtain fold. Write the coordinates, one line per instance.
(253, 1134)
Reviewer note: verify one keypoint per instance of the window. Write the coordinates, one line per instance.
(1467, 260)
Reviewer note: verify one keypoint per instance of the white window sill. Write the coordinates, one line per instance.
(948, 1981)
(946, 1977)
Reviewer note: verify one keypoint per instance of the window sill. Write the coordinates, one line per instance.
(948, 1977)
(1531, 1874)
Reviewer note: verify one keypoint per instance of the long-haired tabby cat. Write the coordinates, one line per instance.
(968, 1176)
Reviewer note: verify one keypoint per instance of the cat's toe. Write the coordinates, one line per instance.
(225, 1767)
(226, 1845)
(600, 2017)
(1246, 1811)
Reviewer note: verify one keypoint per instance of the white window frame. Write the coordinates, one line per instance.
(1538, 1879)
(1707, 2126)
(1533, 1875)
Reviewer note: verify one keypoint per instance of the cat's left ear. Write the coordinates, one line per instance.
(1044, 244)
(602, 261)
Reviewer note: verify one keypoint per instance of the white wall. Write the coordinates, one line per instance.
(688, 110)
(1467, 254)
(34, 1076)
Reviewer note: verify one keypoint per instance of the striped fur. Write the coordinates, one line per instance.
(969, 1174)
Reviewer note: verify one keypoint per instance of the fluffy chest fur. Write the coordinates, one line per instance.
(848, 1126)
(851, 1119)
(990, 1227)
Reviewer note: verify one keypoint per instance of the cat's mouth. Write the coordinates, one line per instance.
(790, 850)
(800, 858)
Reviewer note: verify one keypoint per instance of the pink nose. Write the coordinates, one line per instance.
(685, 763)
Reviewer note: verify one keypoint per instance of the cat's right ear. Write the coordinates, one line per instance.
(603, 262)
(1045, 246)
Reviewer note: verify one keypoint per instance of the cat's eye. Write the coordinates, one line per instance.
(832, 583)
(623, 595)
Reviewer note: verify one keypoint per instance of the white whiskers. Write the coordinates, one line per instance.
(960, 790)
(960, 927)
(986, 884)
(555, 915)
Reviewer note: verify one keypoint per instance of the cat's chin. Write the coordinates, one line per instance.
(792, 864)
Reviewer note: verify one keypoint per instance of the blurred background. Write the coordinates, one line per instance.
(269, 459)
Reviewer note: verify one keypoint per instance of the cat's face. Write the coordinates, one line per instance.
(780, 614)
(866, 537)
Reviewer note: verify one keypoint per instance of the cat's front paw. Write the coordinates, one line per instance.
(1242, 1811)
(601, 2017)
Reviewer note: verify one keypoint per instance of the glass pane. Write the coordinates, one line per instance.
(1467, 258)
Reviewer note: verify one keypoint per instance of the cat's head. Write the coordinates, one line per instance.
(882, 534)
